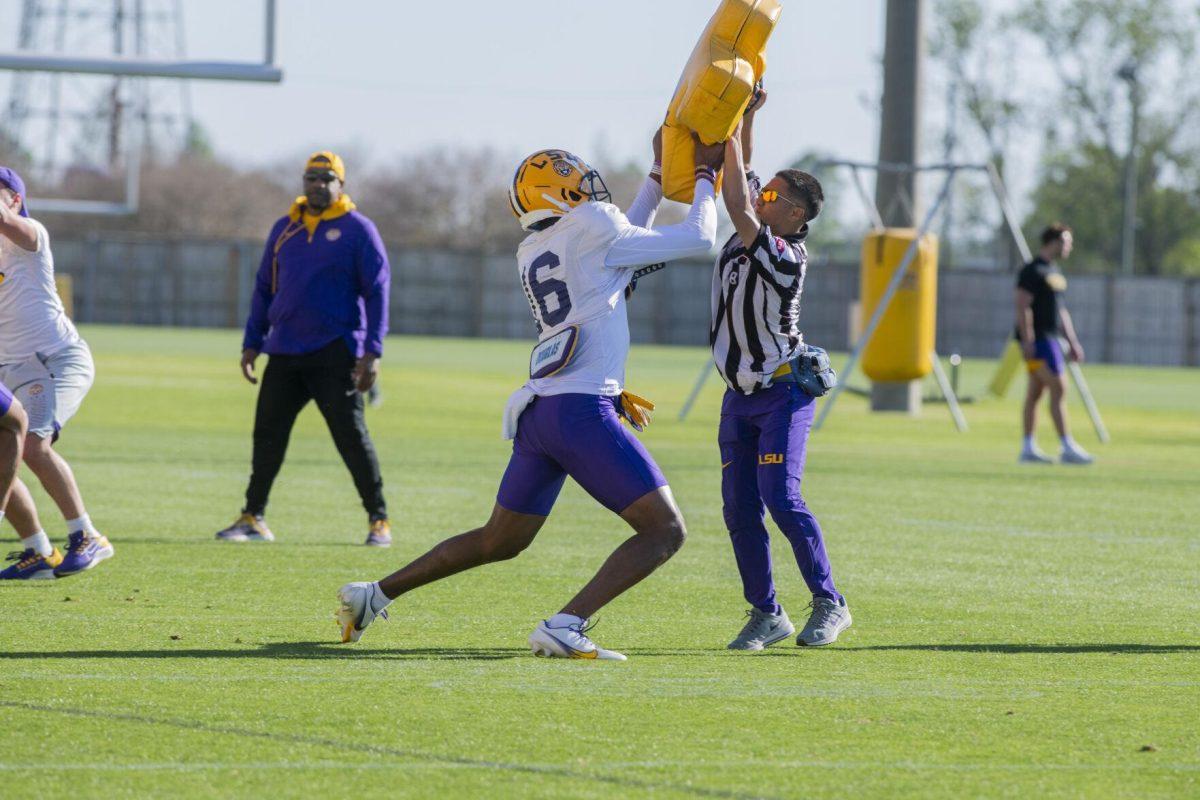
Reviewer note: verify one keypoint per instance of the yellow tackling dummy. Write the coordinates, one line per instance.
(716, 86)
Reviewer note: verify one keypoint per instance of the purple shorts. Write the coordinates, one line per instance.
(1048, 352)
(6, 399)
(578, 435)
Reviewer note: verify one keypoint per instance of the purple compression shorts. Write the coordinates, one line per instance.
(1048, 352)
(578, 435)
(6, 399)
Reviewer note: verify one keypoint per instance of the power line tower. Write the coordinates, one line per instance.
(67, 121)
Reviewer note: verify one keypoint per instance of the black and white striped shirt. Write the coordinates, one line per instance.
(756, 307)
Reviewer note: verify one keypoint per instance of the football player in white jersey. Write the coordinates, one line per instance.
(49, 369)
(575, 266)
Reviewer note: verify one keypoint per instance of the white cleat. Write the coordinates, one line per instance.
(1034, 456)
(1074, 454)
(355, 610)
(563, 636)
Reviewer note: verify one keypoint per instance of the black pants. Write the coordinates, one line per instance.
(288, 383)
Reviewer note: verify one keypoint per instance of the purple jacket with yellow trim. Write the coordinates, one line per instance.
(331, 284)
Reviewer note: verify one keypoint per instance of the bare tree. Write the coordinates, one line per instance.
(1091, 45)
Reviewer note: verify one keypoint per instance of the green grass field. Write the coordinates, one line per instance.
(1019, 632)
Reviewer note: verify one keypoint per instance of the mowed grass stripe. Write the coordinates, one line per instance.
(1018, 632)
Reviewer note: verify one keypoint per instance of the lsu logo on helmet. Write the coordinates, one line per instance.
(550, 183)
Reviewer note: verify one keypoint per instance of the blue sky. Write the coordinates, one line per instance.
(390, 77)
(379, 78)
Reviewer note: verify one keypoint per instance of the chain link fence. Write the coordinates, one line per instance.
(136, 280)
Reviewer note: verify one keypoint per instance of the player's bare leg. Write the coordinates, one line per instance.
(1030, 452)
(12, 439)
(1032, 396)
(21, 511)
(1057, 388)
(86, 546)
(505, 535)
(55, 475)
(38, 556)
(659, 533)
(1071, 453)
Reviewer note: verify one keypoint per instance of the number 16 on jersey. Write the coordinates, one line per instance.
(548, 296)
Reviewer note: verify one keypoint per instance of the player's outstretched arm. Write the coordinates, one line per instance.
(736, 190)
(747, 134)
(645, 206)
(17, 229)
(695, 236)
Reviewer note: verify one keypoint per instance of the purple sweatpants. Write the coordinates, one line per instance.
(763, 438)
(578, 435)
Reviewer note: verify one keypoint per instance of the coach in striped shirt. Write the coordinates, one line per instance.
(766, 415)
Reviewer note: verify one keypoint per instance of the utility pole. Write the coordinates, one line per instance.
(900, 131)
(1129, 74)
(900, 142)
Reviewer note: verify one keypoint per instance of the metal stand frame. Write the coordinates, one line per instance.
(1010, 218)
(893, 286)
(950, 170)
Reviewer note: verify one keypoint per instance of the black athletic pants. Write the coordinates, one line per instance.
(288, 383)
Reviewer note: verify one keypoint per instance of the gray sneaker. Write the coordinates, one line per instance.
(1034, 456)
(1074, 454)
(762, 629)
(827, 620)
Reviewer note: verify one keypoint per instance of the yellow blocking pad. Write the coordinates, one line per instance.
(66, 292)
(716, 86)
(1010, 364)
(901, 348)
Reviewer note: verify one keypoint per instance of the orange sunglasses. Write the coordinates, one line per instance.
(770, 196)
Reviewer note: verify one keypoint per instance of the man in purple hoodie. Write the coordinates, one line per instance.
(320, 311)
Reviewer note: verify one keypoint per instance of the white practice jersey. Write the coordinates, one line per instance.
(575, 273)
(32, 318)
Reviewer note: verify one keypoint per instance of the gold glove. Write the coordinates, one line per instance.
(636, 410)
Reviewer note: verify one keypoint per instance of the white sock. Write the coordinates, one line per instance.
(1030, 444)
(40, 543)
(82, 523)
(379, 600)
(1068, 443)
(564, 620)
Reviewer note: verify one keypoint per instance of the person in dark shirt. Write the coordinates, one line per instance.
(1042, 321)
